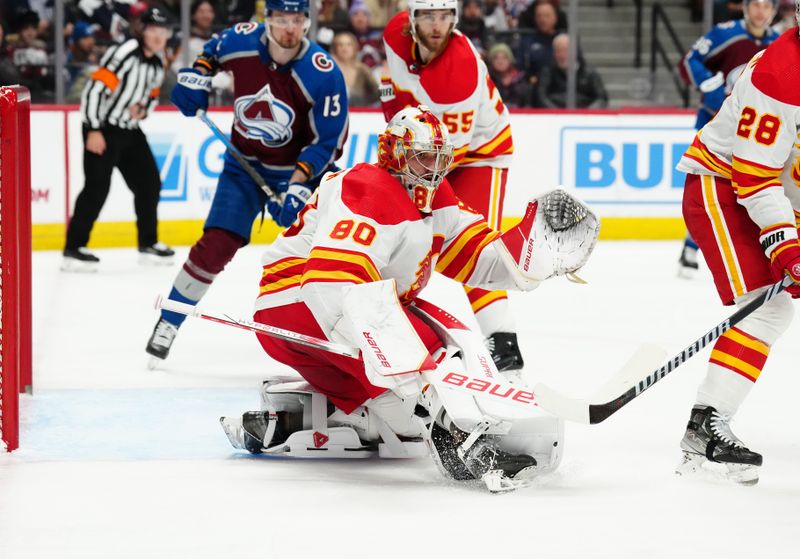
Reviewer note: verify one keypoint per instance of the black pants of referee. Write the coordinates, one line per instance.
(128, 151)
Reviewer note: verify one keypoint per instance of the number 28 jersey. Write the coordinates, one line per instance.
(753, 139)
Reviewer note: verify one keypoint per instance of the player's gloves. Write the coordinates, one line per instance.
(296, 197)
(783, 250)
(190, 94)
(713, 90)
(274, 209)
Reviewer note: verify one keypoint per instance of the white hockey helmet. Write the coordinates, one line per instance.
(416, 148)
(416, 5)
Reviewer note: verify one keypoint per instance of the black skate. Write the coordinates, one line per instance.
(687, 263)
(157, 254)
(79, 260)
(709, 446)
(505, 351)
(160, 341)
(483, 460)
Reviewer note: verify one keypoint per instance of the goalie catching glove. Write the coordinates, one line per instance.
(555, 237)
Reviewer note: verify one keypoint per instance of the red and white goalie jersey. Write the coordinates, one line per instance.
(457, 88)
(361, 226)
(753, 140)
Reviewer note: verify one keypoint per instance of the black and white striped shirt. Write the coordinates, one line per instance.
(125, 77)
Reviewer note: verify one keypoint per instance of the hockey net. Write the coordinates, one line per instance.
(15, 259)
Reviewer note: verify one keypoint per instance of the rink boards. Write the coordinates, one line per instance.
(622, 163)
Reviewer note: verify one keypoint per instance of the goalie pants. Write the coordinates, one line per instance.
(342, 379)
(128, 151)
(483, 189)
(727, 236)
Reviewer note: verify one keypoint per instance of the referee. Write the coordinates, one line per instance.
(121, 93)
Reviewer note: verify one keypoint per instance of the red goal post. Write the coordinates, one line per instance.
(15, 258)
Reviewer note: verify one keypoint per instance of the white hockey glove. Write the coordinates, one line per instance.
(555, 237)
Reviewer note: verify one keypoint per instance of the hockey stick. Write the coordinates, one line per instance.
(587, 412)
(310, 341)
(492, 389)
(259, 180)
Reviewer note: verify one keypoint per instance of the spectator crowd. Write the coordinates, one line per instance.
(524, 44)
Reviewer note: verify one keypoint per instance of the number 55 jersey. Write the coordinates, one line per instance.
(748, 157)
(457, 87)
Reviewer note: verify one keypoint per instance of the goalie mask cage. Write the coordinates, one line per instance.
(15, 258)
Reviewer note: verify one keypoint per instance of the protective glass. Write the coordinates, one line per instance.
(440, 16)
(284, 22)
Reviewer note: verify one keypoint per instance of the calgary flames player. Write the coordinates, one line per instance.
(742, 203)
(349, 270)
(432, 63)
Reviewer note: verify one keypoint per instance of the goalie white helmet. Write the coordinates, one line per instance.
(415, 6)
(416, 148)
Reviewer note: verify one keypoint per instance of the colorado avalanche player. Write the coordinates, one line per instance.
(290, 122)
(350, 269)
(712, 66)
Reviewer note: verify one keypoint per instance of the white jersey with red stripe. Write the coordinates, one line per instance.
(361, 226)
(753, 140)
(457, 88)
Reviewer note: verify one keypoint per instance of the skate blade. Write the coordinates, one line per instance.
(497, 482)
(685, 272)
(699, 467)
(233, 430)
(153, 260)
(78, 266)
(154, 362)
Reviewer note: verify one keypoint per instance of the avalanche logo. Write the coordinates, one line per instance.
(264, 117)
(322, 62)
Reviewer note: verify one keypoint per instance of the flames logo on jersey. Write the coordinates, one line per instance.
(796, 172)
(264, 117)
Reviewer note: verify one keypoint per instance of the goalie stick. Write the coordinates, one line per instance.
(258, 179)
(587, 412)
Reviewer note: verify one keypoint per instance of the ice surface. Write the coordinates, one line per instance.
(120, 462)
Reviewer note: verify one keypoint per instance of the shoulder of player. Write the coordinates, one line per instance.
(775, 73)
(395, 37)
(123, 50)
(726, 30)
(315, 67)
(370, 191)
(455, 74)
(243, 36)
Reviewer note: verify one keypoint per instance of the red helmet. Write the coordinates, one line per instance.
(417, 149)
